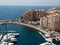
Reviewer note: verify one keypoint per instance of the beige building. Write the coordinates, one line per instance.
(33, 15)
(53, 10)
(51, 21)
(44, 22)
(54, 22)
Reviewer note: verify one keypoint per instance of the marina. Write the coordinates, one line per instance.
(28, 25)
(8, 39)
(35, 27)
(31, 26)
(30, 35)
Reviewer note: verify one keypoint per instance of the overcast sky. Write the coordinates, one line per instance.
(31, 2)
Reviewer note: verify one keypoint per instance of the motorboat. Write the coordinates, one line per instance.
(9, 38)
(10, 43)
(13, 34)
(6, 43)
(16, 34)
(4, 38)
(47, 43)
(13, 39)
(9, 35)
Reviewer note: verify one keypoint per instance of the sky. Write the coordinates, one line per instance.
(31, 2)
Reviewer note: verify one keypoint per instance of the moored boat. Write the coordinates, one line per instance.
(47, 43)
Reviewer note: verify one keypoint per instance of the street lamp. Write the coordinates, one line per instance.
(5, 24)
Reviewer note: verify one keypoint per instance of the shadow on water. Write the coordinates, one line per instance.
(28, 36)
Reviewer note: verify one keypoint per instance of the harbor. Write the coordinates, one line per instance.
(39, 29)
(46, 23)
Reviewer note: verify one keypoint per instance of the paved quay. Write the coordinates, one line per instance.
(32, 26)
(38, 29)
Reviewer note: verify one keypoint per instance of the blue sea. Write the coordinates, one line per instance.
(28, 36)
(12, 12)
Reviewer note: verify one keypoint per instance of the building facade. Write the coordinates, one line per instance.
(54, 22)
(34, 15)
(51, 22)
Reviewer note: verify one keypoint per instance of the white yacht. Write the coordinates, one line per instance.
(47, 43)
(10, 35)
(4, 38)
(9, 38)
(13, 39)
(13, 33)
(16, 34)
(3, 43)
(6, 43)
(10, 43)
